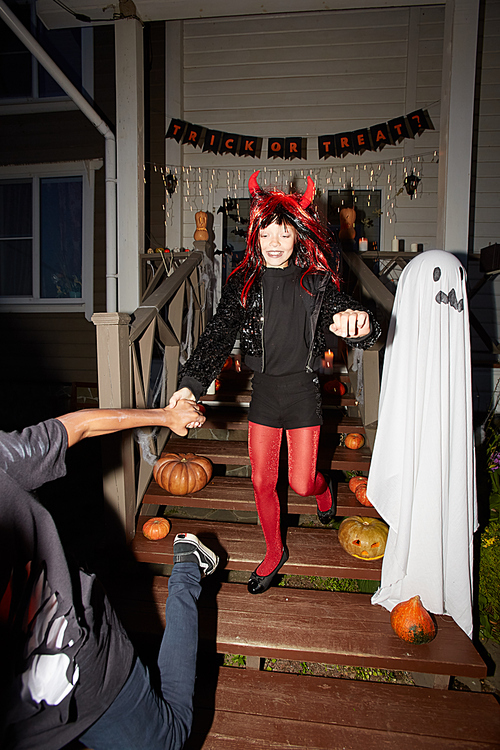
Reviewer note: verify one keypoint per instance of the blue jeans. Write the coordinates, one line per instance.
(139, 717)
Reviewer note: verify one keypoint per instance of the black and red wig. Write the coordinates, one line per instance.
(313, 244)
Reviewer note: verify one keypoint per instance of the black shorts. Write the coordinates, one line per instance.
(287, 401)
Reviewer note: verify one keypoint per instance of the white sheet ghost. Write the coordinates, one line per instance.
(422, 474)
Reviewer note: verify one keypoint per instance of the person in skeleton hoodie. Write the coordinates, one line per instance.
(281, 299)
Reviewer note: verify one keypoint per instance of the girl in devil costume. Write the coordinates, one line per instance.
(280, 299)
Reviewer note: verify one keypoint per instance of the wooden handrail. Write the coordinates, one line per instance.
(369, 282)
(126, 347)
(151, 306)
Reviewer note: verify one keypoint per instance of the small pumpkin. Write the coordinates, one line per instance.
(156, 528)
(335, 387)
(361, 495)
(354, 441)
(354, 482)
(363, 537)
(182, 473)
(412, 622)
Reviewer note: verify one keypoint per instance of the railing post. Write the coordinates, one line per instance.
(114, 380)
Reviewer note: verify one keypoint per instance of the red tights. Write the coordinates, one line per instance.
(264, 450)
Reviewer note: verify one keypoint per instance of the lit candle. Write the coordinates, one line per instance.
(328, 360)
(395, 244)
(363, 245)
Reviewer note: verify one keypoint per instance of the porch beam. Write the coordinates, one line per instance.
(129, 56)
(174, 107)
(456, 125)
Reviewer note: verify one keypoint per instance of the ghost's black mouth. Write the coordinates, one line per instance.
(450, 299)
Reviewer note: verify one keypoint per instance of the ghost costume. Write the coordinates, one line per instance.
(422, 474)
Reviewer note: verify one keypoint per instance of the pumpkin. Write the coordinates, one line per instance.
(363, 537)
(347, 219)
(183, 473)
(354, 441)
(361, 496)
(354, 482)
(156, 528)
(335, 387)
(411, 621)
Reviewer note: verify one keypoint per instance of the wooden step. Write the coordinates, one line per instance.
(313, 626)
(236, 493)
(236, 418)
(235, 452)
(241, 546)
(252, 710)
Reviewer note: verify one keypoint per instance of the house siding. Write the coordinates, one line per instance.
(312, 74)
(48, 347)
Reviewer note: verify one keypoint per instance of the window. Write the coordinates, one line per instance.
(22, 78)
(367, 205)
(236, 212)
(46, 237)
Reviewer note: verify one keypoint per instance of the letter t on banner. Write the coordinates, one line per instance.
(176, 129)
(326, 146)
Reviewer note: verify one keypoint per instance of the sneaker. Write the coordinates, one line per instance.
(188, 548)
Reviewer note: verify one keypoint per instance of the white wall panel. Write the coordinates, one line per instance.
(312, 74)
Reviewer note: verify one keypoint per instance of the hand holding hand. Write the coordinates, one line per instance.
(351, 324)
(184, 415)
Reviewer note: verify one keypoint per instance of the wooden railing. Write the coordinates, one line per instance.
(366, 383)
(138, 360)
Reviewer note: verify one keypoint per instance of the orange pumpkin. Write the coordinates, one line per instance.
(354, 482)
(156, 528)
(363, 537)
(361, 495)
(334, 387)
(183, 473)
(354, 441)
(411, 621)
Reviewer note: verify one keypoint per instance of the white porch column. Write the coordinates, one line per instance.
(130, 158)
(174, 107)
(457, 112)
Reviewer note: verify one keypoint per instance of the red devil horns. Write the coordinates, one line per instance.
(253, 187)
(309, 194)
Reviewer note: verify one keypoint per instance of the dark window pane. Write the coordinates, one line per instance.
(15, 60)
(15, 268)
(15, 209)
(234, 230)
(61, 237)
(64, 47)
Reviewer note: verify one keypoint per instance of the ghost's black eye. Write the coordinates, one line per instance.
(462, 274)
(436, 275)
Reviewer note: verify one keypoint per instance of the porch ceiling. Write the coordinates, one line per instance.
(54, 16)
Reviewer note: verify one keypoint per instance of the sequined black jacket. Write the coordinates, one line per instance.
(231, 318)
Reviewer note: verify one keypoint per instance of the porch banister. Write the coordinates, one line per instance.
(114, 376)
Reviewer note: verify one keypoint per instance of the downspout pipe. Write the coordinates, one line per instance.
(50, 66)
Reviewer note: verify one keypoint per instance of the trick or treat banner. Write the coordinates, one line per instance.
(336, 145)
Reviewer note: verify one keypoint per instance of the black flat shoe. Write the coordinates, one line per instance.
(259, 584)
(325, 516)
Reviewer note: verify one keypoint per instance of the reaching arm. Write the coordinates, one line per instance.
(94, 422)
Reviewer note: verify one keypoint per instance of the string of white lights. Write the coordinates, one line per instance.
(199, 183)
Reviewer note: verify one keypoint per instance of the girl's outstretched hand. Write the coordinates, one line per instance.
(353, 324)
